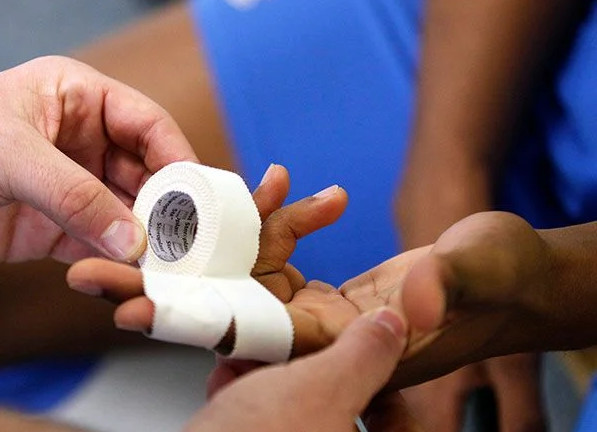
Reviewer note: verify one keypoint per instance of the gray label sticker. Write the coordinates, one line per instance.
(172, 226)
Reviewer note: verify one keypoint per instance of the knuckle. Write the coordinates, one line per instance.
(81, 202)
(158, 127)
(78, 101)
(50, 61)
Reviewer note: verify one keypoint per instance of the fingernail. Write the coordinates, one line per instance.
(329, 191)
(268, 174)
(89, 289)
(390, 319)
(123, 239)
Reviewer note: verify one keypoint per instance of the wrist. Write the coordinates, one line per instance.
(570, 294)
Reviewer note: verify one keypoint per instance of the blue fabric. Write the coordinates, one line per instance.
(324, 88)
(572, 141)
(588, 416)
(552, 178)
(38, 386)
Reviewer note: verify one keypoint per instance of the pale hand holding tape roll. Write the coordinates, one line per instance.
(203, 233)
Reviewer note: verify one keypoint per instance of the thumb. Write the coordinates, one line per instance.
(80, 204)
(426, 293)
(362, 360)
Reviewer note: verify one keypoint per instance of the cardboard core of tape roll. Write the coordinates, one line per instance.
(172, 226)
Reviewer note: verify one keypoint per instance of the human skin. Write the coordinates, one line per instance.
(490, 286)
(282, 228)
(295, 396)
(481, 65)
(351, 371)
(74, 143)
(76, 146)
(515, 288)
(149, 54)
(115, 138)
(158, 56)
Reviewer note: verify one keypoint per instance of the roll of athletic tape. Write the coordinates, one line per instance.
(203, 239)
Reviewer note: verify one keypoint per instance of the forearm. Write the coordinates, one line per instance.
(10, 421)
(479, 62)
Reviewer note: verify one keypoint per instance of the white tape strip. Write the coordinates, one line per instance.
(203, 232)
(256, 310)
(187, 310)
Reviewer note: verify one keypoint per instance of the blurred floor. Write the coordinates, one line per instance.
(158, 390)
(149, 390)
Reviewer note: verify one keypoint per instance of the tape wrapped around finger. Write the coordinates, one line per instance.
(203, 239)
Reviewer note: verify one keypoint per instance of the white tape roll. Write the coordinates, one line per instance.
(203, 239)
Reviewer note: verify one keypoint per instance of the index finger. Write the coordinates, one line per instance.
(116, 282)
(151, 133)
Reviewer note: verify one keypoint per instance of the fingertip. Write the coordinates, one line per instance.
(424, 294)
(274, 173)
(272, 191)
(74, 271)
(275, 177)
(378, 335)
(332, 192)
(77, 280)
(331, 201)
(281, 180)
(390, 320)
(124, 240)
(135, 315)
(365, 356)
(309, 337)
(342, 196)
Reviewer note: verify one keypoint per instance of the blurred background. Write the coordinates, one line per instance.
(30, 28)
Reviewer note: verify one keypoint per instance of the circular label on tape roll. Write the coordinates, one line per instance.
(172, 226)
